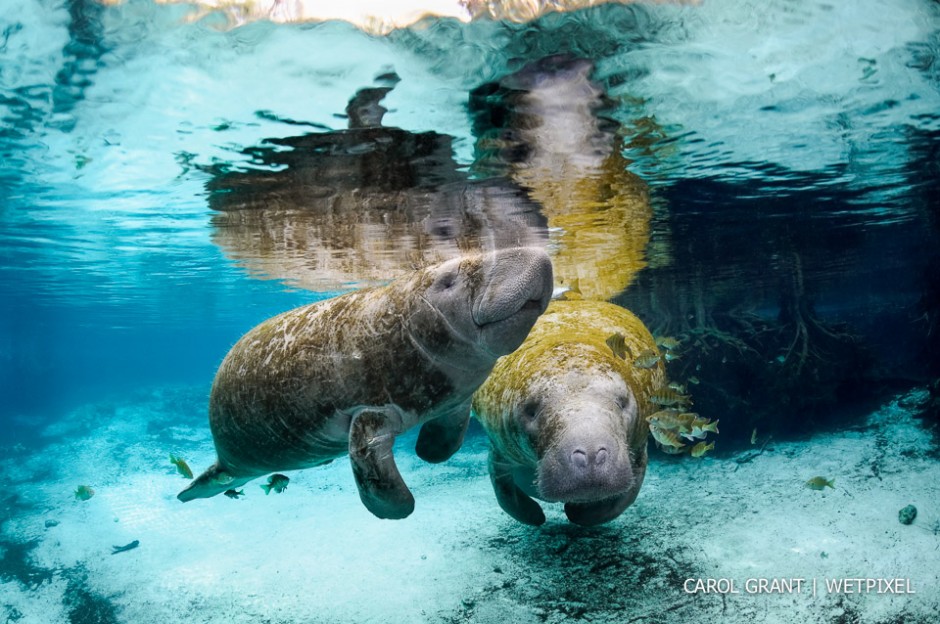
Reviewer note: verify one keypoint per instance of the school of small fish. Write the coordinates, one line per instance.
(673, 427)
(670, 426)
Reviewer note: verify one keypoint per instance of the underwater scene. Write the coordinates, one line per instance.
(469, 312)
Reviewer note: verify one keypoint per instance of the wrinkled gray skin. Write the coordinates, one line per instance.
(580, 427)
(585, 458)
(566, 416)
(349, 374)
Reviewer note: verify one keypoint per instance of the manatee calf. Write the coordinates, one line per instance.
(349, 374)
(565, 414)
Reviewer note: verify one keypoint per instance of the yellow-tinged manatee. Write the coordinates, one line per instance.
(598, 212)
(566, 416)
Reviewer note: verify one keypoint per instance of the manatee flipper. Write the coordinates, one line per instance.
(381, 488)
(513, 500)
(213, 481)
(440, 438)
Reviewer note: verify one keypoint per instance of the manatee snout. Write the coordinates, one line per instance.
(518, 285)
(596, 477)
(585, 469)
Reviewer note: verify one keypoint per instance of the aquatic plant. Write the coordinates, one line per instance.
(754, 367)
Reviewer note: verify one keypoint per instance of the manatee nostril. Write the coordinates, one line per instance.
(601, 456)
(579, 458)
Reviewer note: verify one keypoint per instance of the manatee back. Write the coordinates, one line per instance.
(282, 397)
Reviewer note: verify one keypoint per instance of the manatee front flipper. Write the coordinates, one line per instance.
(381, 488)
(213, 481)
(440, 438)
(513, 500)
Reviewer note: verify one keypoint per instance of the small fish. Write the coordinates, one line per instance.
(663, 413)
(666, 437)
(754, 436)
(667, 342)
(674, 420)
(678, 387)
(120, 549)
(701, 426)
(618, 345)
(668, 397)
(181, 466)
(694, 380)
(670, 356)
(276, 482)
(701, 448)
(647, 359)
(83, 493)
(819, 483)
(222, 478)
(236, 494)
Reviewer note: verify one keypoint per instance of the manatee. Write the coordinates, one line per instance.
(566, 417)
(349, 374)
(547, 127)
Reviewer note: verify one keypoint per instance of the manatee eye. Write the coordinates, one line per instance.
(624, 402)
(446, 281)
(529, 411)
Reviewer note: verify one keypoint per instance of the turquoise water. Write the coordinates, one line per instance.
(167, 184)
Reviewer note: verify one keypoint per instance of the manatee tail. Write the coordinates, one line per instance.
(213, 481)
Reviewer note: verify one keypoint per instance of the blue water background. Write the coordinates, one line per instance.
(812, 116)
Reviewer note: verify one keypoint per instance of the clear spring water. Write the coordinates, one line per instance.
(788, 150)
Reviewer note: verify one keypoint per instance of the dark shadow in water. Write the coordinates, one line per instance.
(791, 307)
(16, 564)
(925, 147)
(562, 572)
(82, 55)
(83, 606)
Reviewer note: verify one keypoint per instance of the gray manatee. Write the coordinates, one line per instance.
(566, 415)
(349, 374)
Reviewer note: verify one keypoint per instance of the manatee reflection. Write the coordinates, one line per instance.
(364, 205)
(346, 208)
(544, 127)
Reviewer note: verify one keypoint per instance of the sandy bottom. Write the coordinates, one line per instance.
(314, 554)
